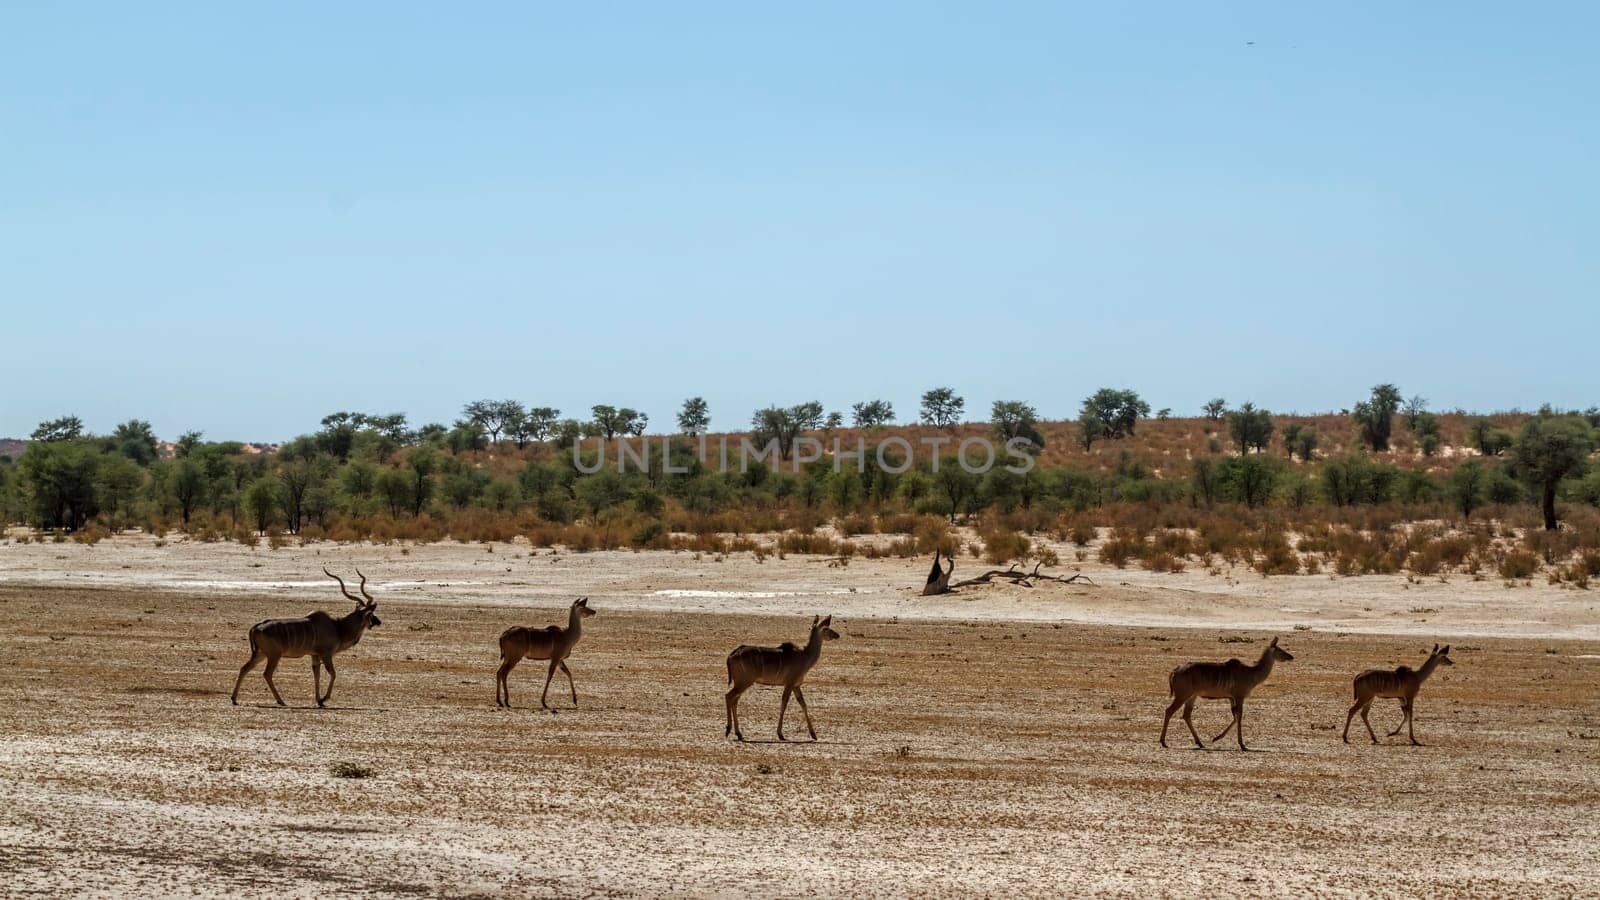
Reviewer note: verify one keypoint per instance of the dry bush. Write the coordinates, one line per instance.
(854, 524)
(1276, 557)
(1120, 547)
(1001, 547)
(91, 534)
(1518, 563)
(899, 523)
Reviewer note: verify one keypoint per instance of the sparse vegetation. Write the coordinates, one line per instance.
(348, 769)
(366, 477)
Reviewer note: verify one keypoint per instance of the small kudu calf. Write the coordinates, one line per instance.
(1401, 684)
(551, 642)
(317, 635)
(785, 665)
(1232, 681)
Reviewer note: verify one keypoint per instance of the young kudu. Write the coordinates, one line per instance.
(1232, 681)
(317, 635)
(551, 642)
(1402, 684)
(784, 665)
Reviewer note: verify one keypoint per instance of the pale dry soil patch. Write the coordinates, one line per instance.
(1001, 742)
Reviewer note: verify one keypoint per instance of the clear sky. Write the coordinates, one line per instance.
(238, 218)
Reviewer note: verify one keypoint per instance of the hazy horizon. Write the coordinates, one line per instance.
(238, 220)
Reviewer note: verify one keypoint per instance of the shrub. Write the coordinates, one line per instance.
(1518, 564)
(347, 769)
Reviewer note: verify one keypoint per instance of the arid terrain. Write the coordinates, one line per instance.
(1001, 740)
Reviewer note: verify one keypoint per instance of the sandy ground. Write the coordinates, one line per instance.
(998, 742)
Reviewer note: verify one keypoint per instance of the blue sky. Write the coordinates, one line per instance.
(240, 218)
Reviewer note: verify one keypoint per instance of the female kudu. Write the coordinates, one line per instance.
(551, 642)
(1402, 684)
(1232, 681)
(785, 665)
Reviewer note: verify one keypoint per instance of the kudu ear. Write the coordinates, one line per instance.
(1274, 643)
(1436, 647)
(1446, 650)
(828, 620)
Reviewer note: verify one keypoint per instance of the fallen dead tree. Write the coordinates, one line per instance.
(1023, 578)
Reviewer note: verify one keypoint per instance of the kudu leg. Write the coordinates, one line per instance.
(548, 675)
(1411, 723)
(733, 711)
(272, 666)
(783, 707)
(568, 672)
(1368, 722)
(1348, 718)
(502, 682)
(244, 670)
(1188, 713)
(1405, 713)
(327, 662)
(1231, 722)
(1172, 707)
(316, 678)
(1238, 716)
(798, 695)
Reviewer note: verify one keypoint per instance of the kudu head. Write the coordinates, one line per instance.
(367, 608)
(1443, 655)
(821, 626)
(1278, 653)
(581, 607)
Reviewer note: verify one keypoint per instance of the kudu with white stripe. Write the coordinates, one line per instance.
(317, 635)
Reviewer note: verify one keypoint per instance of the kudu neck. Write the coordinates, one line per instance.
(814, 645)
(1263, 666)
(574, 623)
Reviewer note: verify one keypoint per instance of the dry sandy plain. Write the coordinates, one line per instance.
(1001, 741)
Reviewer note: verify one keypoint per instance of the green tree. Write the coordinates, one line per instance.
(955, 485)
(1414, 409)
(1469, 484)
(186, 443)
(941, 407)
(1250, 479)
(694, 417)
(492, 415)
(66, 428)
(261, 499)
(1118, 411)
(1426, 427)
(1089, 430)
(137, 441)
(1375, 416)
(1215, 409)
(1205, 480)
(784, 424)
(118, 482)
(541, 422)
(61, 480)
(872, 413)
(1250, 428)
(1012, 419)
(394, 487)
(188, 486)
(1548, 450)
(423, 463)
(610, 421)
